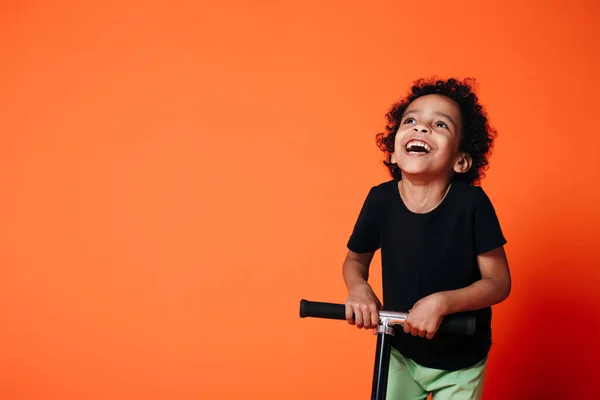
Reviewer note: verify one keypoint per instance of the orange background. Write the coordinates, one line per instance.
(176, 177)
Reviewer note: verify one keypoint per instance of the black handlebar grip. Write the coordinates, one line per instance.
(461, 324)
(318, 309)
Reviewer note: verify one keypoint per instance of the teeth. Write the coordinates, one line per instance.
(418, 143)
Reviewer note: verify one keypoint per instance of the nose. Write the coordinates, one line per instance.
(421, 129)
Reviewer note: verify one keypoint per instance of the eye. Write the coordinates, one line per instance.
(409, 120)
(441, 124)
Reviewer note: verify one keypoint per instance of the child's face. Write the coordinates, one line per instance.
(427, 141)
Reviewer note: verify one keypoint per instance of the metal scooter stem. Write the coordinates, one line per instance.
(384, 332)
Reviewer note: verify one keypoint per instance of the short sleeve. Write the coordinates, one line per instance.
(487, 230)
(365, 235)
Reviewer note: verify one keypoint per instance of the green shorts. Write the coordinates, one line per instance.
(408, 380)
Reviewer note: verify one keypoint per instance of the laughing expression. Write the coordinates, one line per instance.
(427, 141)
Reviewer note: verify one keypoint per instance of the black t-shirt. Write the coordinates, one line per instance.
(427, 253)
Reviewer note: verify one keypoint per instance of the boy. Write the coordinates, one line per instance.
(441, 243)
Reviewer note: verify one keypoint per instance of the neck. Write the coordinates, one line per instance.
(420, 196)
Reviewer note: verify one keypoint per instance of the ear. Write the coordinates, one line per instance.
(463, 163)
(393, 159)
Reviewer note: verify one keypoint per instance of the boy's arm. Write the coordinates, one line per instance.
(356, 268)
(493, 287)
(362, 305)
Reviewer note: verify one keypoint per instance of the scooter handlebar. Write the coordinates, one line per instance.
(460, 324)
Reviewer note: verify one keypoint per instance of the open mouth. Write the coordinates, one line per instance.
(417, 147)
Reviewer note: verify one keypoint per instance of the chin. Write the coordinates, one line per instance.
(413, 167)
(419, 171)
(411, 174)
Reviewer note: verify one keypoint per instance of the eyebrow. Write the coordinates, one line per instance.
(437, 112)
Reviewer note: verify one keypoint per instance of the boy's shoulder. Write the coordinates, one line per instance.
(470, 194)
(467, 188)
(387, 185)
(384, 189)
(470, 188)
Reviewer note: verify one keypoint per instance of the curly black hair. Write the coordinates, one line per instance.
(477, 135)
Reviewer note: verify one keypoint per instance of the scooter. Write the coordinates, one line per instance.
(388, 320)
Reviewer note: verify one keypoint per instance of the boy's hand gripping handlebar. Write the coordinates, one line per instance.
(387, 319)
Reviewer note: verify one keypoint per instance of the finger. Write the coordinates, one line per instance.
(431, 332)
(349, 314)
(406, 327)
(374, 315)
(358, 316)
(366, 315)
(422, 333)
(414, 331)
